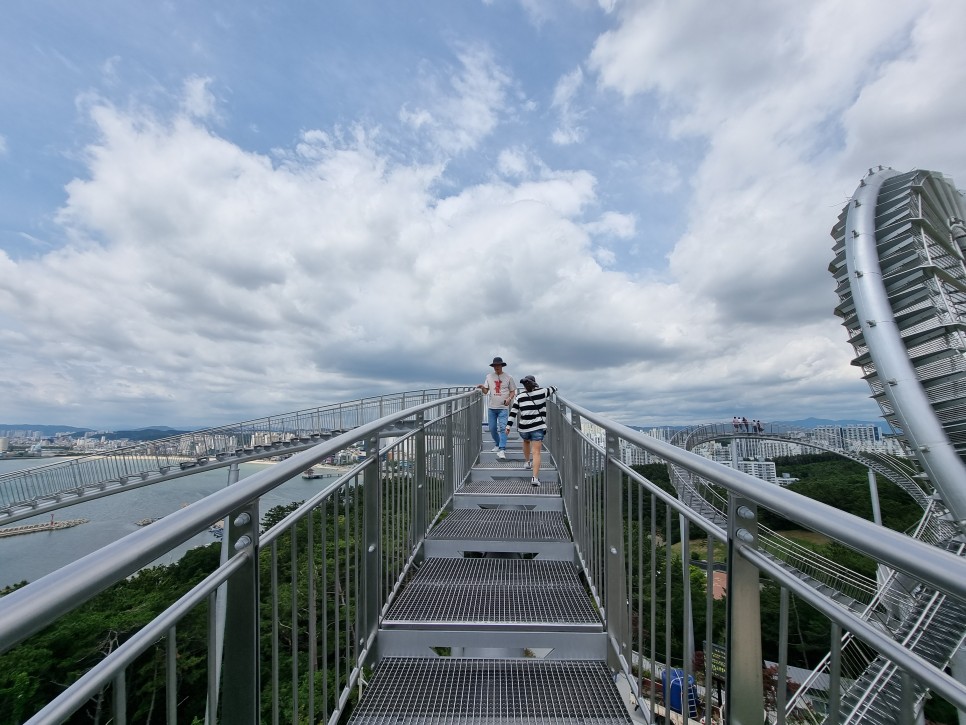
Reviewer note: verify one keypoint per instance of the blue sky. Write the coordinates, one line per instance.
(216, 211)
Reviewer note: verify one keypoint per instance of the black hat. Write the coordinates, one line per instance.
(497, 361)
(529, 381)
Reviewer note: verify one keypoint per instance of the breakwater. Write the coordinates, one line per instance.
(46, 526)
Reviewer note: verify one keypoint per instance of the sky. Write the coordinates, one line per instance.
(212, 212)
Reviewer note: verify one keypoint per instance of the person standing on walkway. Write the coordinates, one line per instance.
(500, 390)
(529, 411)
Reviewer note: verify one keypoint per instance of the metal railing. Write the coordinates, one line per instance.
(44, 488)
(623, 524)
(302, 600)
(291, 613)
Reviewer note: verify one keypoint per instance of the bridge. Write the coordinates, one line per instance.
(432, 583)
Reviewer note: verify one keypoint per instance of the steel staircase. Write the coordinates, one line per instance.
(497, 624)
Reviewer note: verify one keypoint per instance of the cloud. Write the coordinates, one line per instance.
(211, 275)
(467, 109)
(209, 278)
(568, 130)
(514, 162)
(3, 145)
(198, 100)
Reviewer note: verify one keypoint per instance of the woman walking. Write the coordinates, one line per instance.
(529, 412)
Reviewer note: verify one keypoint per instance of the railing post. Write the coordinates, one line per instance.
(449, 445)
(220, 602)
(573, 464)
(744, 663)
(419, 490)
(372, 555)
(240, 674)
(616, 604)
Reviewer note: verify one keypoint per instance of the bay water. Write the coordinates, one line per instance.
(31, 556)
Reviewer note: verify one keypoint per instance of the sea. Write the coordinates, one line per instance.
(31, 556)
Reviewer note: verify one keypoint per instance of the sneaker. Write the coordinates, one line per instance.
(528, 464)
(495, 448)
(500, 454)
(534, 481)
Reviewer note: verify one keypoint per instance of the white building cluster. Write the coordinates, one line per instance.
(755, 456)
(630, 455)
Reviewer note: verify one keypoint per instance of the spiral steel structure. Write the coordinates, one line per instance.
(901, 272)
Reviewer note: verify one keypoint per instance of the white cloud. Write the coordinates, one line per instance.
(613, 224)
(204, 281)
(198, 100)
(468, 109)
(513, 162)
(568, 130)
(208, 278)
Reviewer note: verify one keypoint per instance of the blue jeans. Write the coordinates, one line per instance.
(497, 425)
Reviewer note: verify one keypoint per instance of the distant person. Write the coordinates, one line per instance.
(529, 412)
(736, 424)
(759, 428)
(744, 424)
(500, 389)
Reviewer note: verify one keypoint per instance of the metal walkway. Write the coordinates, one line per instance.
(497, 625)
(433, 583)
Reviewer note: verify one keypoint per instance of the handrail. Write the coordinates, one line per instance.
(927, 563)
(598, 546)
(30, 608)
(157, 460)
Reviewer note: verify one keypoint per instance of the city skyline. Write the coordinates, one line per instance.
(47, 430)
(215, 212)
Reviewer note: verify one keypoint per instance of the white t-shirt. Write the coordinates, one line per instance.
(500, 387)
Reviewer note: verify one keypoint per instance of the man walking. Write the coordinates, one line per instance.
(529, 411)
(500, 389)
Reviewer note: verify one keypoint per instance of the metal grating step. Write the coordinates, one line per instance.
(502, 525)
(509, 486)
(420, 691)
(545, 595)
(515, 463)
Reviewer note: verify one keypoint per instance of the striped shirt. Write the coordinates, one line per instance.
(529, 410)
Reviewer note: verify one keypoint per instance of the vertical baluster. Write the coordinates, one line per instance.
(275, 633)
(211, 716)
(686, 624)
(120, 698)
(907, 697)
(781, 680)
(171, 678)
(310, 594)
(667, 604)
(324, 596)
(356, 585)
(835, 676)
(640, 591)
(337, 610)
(653, 622)
(419, 473)
(294, 618)
(709, 627)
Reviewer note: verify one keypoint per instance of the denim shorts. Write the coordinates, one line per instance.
(533, 435)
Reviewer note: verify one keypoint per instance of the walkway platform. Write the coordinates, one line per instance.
(497, 624)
